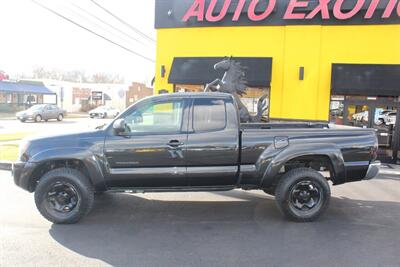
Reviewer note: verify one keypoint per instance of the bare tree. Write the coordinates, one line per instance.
(75, 76)
(106, 78)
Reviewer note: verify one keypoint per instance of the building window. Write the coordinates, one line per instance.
(336, 110)
(8, 98)
(2, 98)
(20, 99)
(188, 88)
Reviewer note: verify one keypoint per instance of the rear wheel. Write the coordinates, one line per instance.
(303, 195)
(38, 118)
(60, 117)
(64, 196)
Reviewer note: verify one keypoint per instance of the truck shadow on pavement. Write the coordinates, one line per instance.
(235, 228)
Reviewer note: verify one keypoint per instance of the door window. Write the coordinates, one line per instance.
(209, 115)
(156, 118)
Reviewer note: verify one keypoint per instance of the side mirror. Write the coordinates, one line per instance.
(119, 126)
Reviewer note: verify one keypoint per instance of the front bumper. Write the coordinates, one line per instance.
(22, 173)
(96, 115)
(25, 117)
(373, 170)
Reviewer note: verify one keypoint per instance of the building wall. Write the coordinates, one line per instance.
(136, 92)
(313, 47)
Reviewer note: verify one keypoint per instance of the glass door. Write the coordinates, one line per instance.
(358, 115)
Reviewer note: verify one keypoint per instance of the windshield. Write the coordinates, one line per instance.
(36, 107)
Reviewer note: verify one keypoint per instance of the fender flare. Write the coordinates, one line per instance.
(270, 164)
(89, 159)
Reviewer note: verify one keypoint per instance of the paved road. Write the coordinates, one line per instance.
(237, 228)
(15, 126)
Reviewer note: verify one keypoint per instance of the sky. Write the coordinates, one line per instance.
(31, 36)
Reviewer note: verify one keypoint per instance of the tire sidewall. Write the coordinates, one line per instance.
(286, 185)
(60, 117)
(84, 194)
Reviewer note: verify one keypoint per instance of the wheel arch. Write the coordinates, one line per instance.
(80, 159)
(329, 154)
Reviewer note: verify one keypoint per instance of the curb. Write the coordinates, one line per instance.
(5, 165)
(389, 172)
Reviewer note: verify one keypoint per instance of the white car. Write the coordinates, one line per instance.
(391, 118)
(104, 112)
(383, 117)
(361, 116)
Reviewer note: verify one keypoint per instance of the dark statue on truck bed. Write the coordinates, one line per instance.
(234, 82)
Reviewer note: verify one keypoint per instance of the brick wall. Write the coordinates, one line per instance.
(136, 92)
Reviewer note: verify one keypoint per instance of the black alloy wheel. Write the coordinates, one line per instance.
(302, 194)
(64, 196)
(305, 196)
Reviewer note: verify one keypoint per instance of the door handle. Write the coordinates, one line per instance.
(175, 143)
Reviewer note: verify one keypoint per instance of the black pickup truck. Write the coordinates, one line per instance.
(194, 142)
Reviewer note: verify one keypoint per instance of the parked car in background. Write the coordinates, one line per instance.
(391, 118)
(383, 117)
(45, 112)
(361, 116)
(104, 112)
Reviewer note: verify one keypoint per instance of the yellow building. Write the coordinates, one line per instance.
(335, 60)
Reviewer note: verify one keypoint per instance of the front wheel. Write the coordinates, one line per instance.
(303, 195)
(38, 118)
(64, 196)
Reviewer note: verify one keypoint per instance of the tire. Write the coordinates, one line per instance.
(104, 116)
(22, 121)
(303, 184)
(60, 117)
(38, 118)
(76, 183)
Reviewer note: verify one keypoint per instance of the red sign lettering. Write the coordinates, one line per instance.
(222, 14)
(337, 12)
(292, 5)
(199, 11)
(195, 10)
(252, 10)
(323, 8)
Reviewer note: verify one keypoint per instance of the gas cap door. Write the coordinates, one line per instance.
(281, 142)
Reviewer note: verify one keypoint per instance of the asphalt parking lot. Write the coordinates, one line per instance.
(237, 228)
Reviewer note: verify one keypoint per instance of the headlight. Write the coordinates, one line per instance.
(23, 147)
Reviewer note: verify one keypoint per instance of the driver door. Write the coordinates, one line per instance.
(152, 150)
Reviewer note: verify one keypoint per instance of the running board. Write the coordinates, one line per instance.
(169, 189)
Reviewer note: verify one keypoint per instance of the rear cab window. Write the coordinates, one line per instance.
(209, 115)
